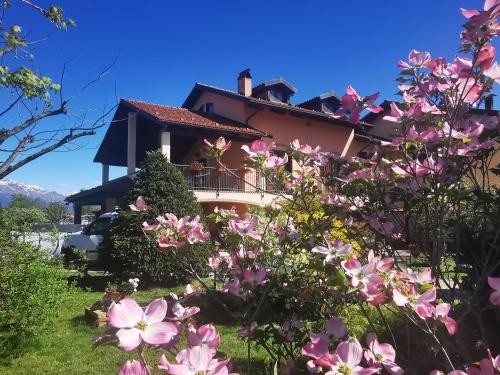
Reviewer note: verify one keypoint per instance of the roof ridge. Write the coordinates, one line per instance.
(151, 103)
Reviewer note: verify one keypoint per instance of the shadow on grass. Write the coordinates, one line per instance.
(212, 310)
(257, 366)
(13, 346)
(95, 282)
(80, 321)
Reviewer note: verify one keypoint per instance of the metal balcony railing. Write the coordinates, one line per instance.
(231, 180)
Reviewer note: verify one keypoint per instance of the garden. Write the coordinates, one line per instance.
(388, 264)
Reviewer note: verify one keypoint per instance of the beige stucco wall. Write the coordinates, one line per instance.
(285, 128)
(227, 107)
(385, 129)
(359, 145)
(282, 127)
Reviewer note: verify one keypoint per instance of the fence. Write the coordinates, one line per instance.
(212, 179)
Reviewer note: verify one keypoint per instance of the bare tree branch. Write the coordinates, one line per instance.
(11, 105)
(7, 163)
(70, 137)
(6, 133)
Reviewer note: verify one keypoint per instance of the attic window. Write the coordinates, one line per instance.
(277, 95)
(329, 107)
(209, 107)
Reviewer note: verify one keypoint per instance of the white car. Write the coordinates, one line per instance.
(91, 236)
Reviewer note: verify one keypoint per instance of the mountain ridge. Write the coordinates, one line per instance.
(10, 187)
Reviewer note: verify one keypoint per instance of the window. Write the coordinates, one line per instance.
(277, 96)
(209, 107)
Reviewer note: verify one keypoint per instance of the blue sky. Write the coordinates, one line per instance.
(164, 47)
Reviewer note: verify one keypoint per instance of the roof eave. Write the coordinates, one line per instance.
(260, 102)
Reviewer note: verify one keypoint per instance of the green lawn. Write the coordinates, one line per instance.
(68, 349)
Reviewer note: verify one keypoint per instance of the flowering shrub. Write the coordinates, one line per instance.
(126, 252)
(294, 276)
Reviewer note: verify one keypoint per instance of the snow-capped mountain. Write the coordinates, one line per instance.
(9, 188)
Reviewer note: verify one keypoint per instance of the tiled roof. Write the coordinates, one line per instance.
(199, 87)
(183, 116)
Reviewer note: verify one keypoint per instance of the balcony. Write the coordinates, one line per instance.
(243, 186)
(229, 185)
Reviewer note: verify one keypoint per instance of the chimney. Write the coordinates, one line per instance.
(245, 83)
(488, 102)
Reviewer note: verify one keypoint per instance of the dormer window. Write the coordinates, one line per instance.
(327, 103)
(276, 90)
(277, 95)
(209, 107)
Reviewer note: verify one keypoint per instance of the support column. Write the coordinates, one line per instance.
(165, 144)
(109, 205)
(77, 213)
(105, 173)
(131, 142)
(348, 144)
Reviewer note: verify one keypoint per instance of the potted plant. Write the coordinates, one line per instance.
(195, 166)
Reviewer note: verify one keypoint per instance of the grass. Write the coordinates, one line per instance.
(68, 348)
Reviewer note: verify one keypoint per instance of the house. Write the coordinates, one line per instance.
(261, 112)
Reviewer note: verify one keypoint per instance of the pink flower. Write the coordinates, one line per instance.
(382, 264)
(386, 227)
(421, 303)
(486, 56)
(316, 348)
(245, 227)
(353, 104)
(333, 251)
(181, 313)
(352, 268)
(204, 335)
(233, 287)
(194, 361)
(416, 59)
(140, 205)
(255, 277)
(471, 88)
(487, 366)
(136, 325)
(247, 330)
(275, 161)
(134, 368)
(335, 328)
(494, 283)
(423, 277)
(219, 145)
(441, 313)
(419, 169)
(148, 227)
(305, 149)
(191, 292)
(481, 24)
(289, 327)
(372, 289)
(381, 355)
(214, 262)
(396, 114)
(349, 355)
(258, 148)
(493, 72)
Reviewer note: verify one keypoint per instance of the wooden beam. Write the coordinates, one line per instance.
(131, 142)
